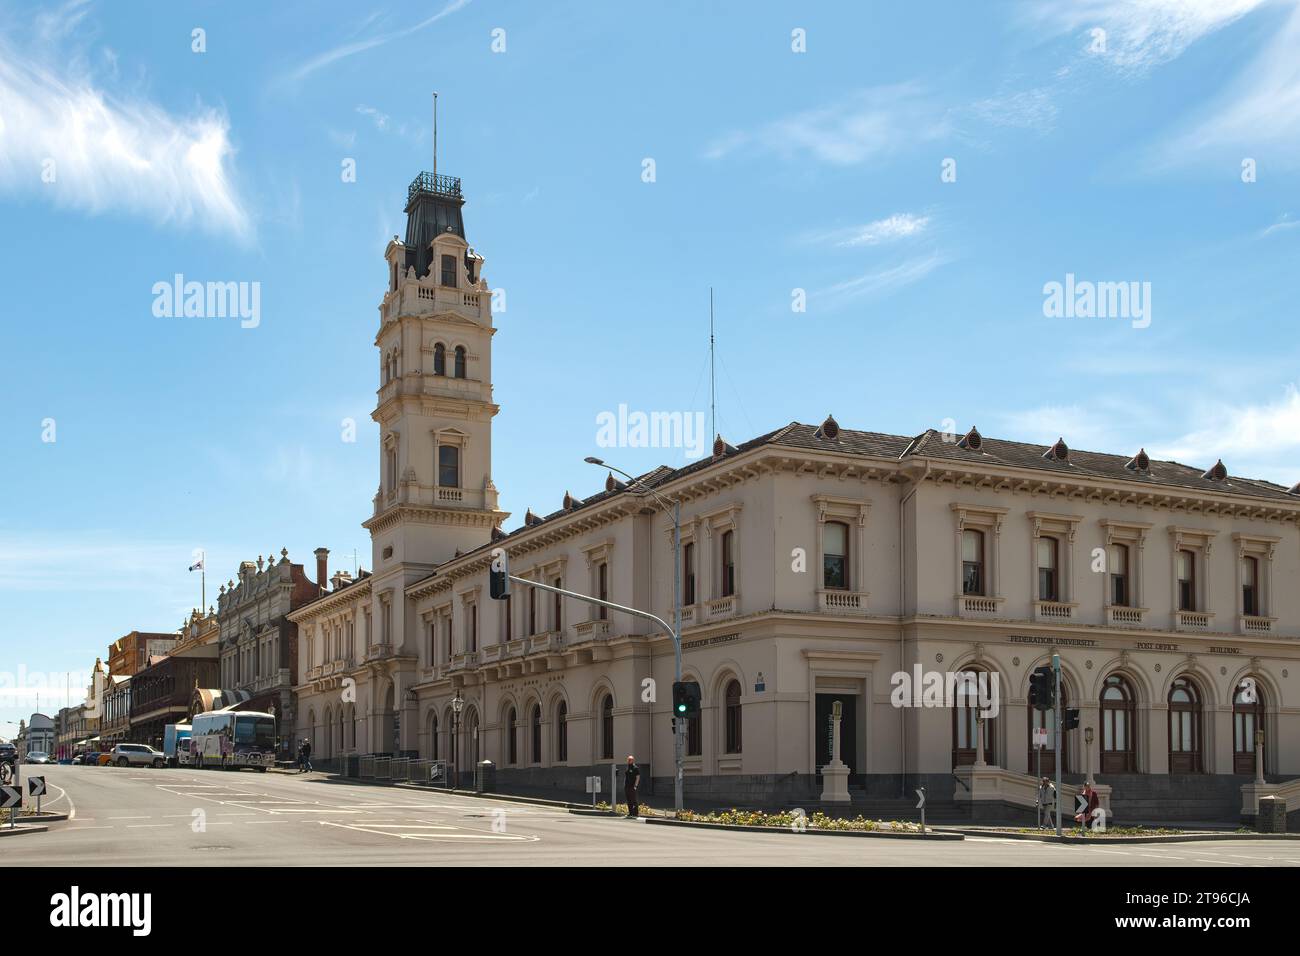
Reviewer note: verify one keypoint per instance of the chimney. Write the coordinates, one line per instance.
(322, 564)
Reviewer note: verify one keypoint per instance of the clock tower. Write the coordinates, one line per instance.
(434, 409)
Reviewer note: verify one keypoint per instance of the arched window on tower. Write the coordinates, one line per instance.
(439, 359)
(460, 361)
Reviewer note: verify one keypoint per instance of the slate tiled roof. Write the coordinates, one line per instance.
(933, 445)
(1091, 464)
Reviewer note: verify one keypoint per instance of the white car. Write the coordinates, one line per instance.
(137, 755)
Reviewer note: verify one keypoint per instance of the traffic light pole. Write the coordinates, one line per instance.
(645, 615)
(1056, 706)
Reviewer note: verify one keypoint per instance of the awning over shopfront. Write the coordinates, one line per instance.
(212, 698)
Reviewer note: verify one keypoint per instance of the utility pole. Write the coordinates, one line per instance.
(1056, 670)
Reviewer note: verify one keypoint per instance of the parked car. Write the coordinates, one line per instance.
(137, 755)
(104, 759)
(36, 756)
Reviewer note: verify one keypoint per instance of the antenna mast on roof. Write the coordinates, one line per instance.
(713, 390)
(435, 136)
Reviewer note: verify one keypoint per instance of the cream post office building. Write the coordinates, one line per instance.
(820, 564)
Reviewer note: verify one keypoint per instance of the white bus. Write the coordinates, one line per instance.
(231, 739)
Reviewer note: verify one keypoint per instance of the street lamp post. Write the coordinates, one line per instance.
(1087, 755)
(679, 735)
(457, 705)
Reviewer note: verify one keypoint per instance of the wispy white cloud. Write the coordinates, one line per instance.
(1139, 34)
(1022, 109)
(883, 281)
(385, 123)
(858, 128)
(901, 225)
(67, 139)
(1257, 115)
(1260, 440)
(1255, 440)
(1284, 223)
(1081, 427)
(353, 47)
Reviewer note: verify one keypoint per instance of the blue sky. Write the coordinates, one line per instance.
(775, 171)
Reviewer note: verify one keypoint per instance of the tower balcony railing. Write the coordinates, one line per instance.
(437, 185)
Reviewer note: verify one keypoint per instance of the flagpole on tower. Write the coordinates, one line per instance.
(435, 138)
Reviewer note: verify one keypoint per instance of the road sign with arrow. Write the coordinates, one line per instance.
(10, 797)
(35, 786)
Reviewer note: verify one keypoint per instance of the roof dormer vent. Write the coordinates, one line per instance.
(1218, 472)
(971, 440)
(1140, 462)
(1058, 452)
(830, 429)
(612, 484)
(530, 518)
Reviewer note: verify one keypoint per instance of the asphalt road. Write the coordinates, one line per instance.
(138, 817)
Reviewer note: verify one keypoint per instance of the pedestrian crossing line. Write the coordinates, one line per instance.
(406, 835)
(405, 826)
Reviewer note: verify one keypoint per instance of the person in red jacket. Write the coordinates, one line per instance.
(1084, 816)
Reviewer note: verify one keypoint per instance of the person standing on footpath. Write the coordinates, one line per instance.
(630, 785)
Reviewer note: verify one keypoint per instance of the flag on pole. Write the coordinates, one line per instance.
(197, 566)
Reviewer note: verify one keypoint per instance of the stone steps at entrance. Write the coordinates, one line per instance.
(1175, 798)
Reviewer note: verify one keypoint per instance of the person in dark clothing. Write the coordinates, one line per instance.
(631, 782)
(306, 755)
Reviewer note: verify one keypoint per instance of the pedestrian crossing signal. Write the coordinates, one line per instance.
(1071, 719)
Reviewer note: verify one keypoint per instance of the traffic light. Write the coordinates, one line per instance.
(1071, 720)
(499, 575)
(1042, 688)
(686, 699)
